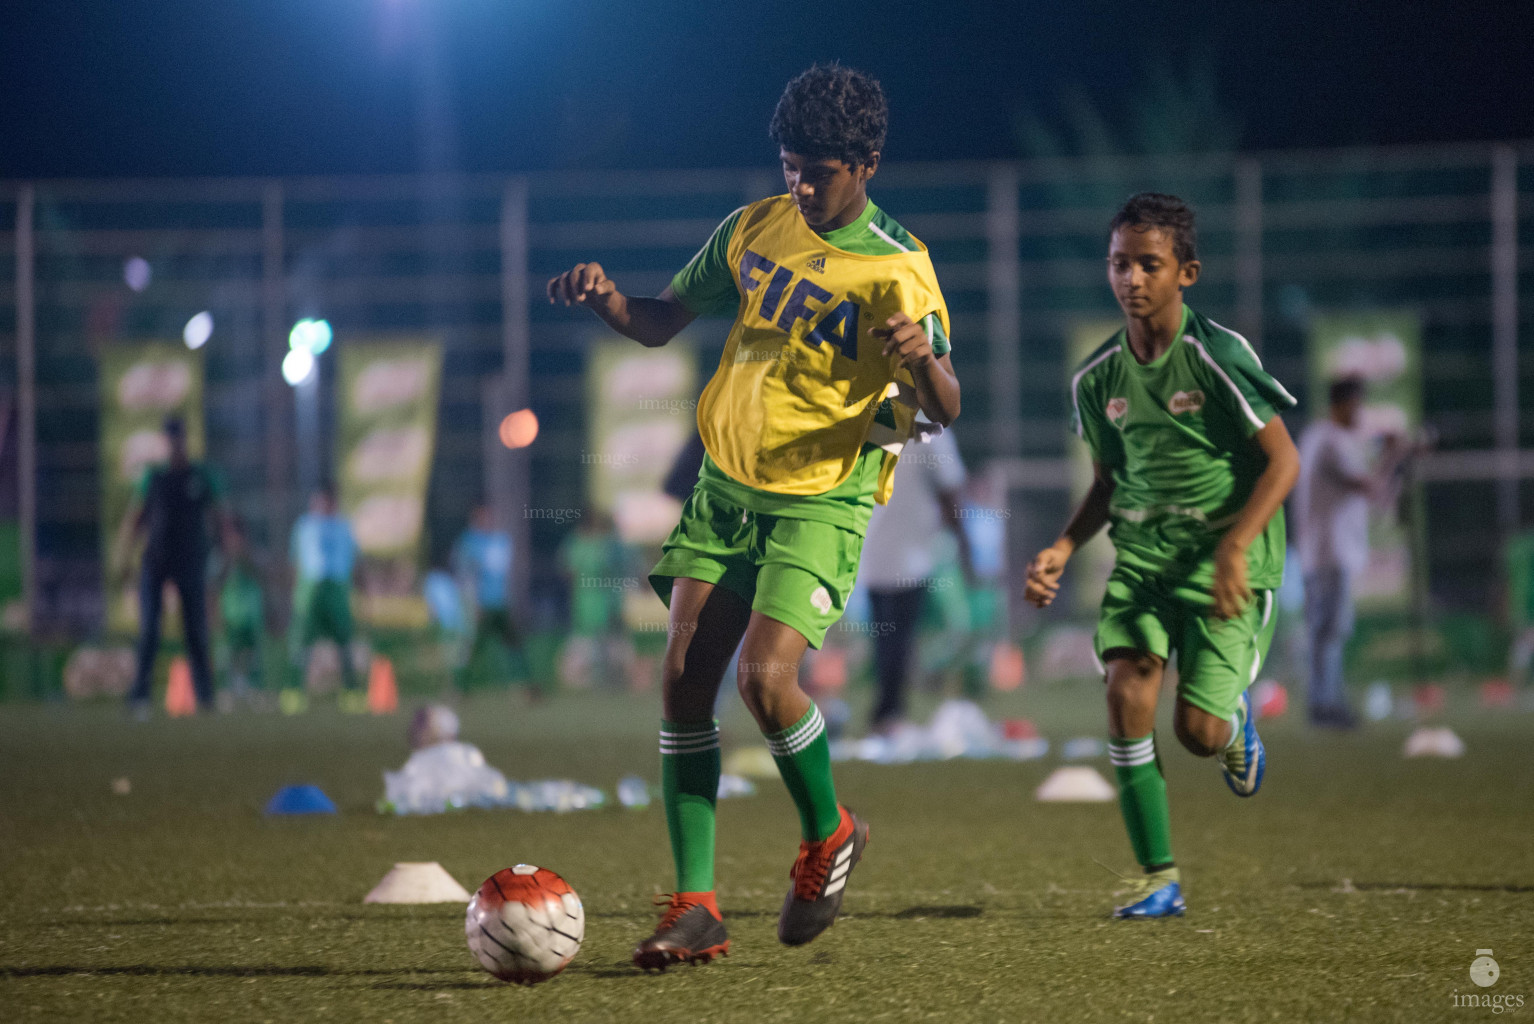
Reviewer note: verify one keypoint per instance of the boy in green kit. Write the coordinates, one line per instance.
(1192, 464)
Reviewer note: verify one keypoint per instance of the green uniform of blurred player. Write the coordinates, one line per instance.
(324, 553)
(1192, 464)
(482, 559)
(595, 562)
(1519, 556)
(241, 613)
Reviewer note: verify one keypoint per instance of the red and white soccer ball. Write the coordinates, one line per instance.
(525, 924)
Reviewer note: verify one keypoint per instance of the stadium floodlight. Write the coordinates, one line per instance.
(198, 330)
(312, 336)
(297, 366)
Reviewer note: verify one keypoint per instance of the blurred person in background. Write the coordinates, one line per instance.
(1331, 508)
(595, 562)
(171, 508)
(241, 614)
(1519, 559)
(323, 554)
(482, 565)
(900, 560)
(984, 515)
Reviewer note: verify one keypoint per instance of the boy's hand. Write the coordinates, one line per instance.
(584, 284)
(1231, 594)
(1044, 576)
(905, 338)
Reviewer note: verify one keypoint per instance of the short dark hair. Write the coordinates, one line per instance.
(1145, 210)
(1345, 389)
(831, 112)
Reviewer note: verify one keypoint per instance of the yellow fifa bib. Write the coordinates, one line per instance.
(802, 375)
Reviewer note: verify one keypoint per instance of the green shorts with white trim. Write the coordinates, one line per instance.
(1217, 659)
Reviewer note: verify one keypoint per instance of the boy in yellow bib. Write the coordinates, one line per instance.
(840, 337)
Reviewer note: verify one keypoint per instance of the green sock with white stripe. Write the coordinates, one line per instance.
(1142, 800)
(689, 782)
(803, 755)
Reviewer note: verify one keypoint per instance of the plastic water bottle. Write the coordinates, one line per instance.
(1083, 748)
(735, 785)
(633, 792)
(1378, 701)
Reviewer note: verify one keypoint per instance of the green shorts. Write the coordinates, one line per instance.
(1216, 659)
(321, 608)
(797, 571)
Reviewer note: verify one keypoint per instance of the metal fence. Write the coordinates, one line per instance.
(1018, 247)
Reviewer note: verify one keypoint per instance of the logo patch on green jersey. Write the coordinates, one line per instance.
(1117, 409)
(1186, 401)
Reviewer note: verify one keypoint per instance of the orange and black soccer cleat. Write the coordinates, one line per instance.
(690, 931)
(820, 881)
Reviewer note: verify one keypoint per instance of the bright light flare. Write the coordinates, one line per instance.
(519, 429)
(297, 365)
(312, 336)
(136, 273)
(198, 330)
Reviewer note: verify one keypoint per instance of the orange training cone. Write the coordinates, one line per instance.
(383, 696)
(1008, 671)
(180, 700)
(828, 670)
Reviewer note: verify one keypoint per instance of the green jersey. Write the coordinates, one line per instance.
(1519, 554)
(707, 286)
(1176, 435)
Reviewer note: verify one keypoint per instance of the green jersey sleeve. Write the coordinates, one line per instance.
(1249, 392)
(935, 334)
(1089, 418)
(706, 286)
(1090, 412)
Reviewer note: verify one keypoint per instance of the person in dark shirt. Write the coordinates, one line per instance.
(173, 504)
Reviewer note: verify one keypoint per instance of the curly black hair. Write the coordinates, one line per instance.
(831, 112)
(1159, 210)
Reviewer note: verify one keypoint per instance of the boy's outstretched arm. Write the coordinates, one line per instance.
(651, 322)
(1091, 515)
(1231, 592)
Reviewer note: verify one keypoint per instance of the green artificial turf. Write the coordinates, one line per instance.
(1356, 886)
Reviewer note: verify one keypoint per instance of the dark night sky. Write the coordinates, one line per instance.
(172, 87)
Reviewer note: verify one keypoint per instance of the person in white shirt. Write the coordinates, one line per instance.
(1331, 512)
(900, 556)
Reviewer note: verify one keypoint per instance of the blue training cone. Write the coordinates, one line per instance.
(300, 800)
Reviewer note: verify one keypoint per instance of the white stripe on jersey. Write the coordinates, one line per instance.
(875, 229)
(1246, 406)
(1076, 381)
(1257, 359)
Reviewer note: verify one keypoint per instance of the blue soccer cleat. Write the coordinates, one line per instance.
(1156, 895)
(1245, 760)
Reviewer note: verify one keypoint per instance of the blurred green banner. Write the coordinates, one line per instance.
(386, 436)
(643, 408)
